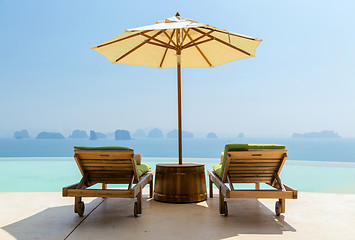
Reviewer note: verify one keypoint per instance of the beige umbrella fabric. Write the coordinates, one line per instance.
(178, 42)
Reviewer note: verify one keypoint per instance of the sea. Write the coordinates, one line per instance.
(47, 165)
(306, 149)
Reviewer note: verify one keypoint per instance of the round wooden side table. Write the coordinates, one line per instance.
(180, 183)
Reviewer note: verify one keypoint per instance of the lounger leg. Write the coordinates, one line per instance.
(104, 187)
(257, 186)
(221, 202)
(139, 201)
(79, 206)
(211, 188)
(283, 205)
(76, 203)
(151, 189)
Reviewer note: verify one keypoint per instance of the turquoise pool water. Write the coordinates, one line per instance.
(50, 174)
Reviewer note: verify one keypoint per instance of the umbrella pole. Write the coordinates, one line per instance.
(178, 53)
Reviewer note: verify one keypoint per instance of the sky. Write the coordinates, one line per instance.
(302, 78)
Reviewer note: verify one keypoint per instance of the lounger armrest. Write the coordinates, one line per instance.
(295, 191)
(65, 189)
(143, 180)
(218, 182)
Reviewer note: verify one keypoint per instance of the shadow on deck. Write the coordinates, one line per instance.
(113, 218)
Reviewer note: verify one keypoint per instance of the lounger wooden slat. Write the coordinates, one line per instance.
(266, 160)
(236, 174)
(117, 177)
(251, 171)
(111, 161)
(253, 166)
(107, 167)
(257, 154)
(114, 174)
(249, 179)
(108, 172)
(124, 155)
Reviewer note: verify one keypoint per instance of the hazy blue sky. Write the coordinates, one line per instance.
(302, 78)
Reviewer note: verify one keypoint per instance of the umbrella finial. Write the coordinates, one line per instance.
(177, 14)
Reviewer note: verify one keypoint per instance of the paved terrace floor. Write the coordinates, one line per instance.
(33, 215)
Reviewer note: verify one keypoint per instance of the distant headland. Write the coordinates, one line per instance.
(155, 133)
(21, 134)
(211, 135)
(50, 135)
(174, 134)
(122, 135)
(79, 134)
(322, 134)
(140, 133)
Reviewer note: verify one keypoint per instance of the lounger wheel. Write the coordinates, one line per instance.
(278, 208)
(225, 209)
(135, 209)
(81, 208)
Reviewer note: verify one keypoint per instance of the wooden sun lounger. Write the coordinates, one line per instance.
(253, 166)
(108, 167)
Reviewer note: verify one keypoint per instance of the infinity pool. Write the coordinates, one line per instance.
(43, 174)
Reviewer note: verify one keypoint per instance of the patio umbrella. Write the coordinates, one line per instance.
(177, 42)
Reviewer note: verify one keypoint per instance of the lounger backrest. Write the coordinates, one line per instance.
(107, 166)
(254, 166)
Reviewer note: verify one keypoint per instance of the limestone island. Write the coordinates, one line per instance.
(155, 133)
(139, 134)
(240, 135)
(96, 135)
(93, 135)
(100, 135)
(174, 134)
(211, 135)
(122, 135)
(50, 135)
(79, 134)
(322, 134)
(21, 134)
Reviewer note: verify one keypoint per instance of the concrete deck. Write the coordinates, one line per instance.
(32, 215)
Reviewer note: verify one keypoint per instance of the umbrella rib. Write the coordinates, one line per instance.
(196, 39)
(170, 38)
(186, 32)
(166, 49)
(138, 46)
(118, 40)
(161, 45)
(198, 43)
(157, 40)
(200, 51)
(233, 34)
(225, 43)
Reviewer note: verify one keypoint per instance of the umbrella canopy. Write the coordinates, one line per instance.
(177, 42)
(155, 45)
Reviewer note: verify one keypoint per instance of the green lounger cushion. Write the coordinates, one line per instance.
(102, 148)
(218, 169)
(143, 168)
(242, 147)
